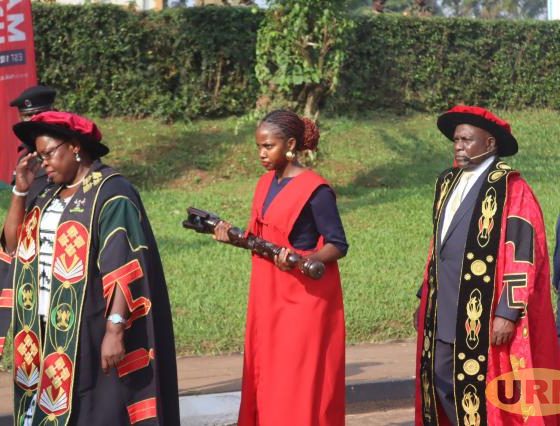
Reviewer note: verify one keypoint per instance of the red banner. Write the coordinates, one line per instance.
(17, 72)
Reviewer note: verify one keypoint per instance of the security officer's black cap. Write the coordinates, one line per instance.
(34, 100)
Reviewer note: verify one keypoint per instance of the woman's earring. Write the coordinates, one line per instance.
(78, 158)
(290, 155)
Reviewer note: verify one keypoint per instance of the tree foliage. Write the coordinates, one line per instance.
(432, 64)
(404, 7)
(494, 9)
(200, 61)
(300, 51)
(224, 3)
(179, 63)
(486, 9)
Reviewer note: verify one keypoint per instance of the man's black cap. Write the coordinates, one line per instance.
(34, 100)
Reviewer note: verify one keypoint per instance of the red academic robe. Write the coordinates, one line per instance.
(534, 344)
(293, 370)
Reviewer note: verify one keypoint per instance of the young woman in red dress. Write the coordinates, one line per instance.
(294, 345)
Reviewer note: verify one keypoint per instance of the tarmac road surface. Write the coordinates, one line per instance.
(395, 417)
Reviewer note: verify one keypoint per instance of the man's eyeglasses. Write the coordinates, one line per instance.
(48, 155)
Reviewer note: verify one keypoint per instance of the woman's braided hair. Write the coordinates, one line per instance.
(291, 125)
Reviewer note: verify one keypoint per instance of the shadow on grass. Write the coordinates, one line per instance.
(162, 159)
(417, 168)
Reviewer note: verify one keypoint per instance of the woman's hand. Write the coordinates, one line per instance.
(26, 170)
(281, 260)
(221, 232)
(112, 347)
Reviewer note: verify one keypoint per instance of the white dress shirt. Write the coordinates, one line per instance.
(468, 179)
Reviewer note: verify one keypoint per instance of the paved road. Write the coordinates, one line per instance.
(374, 372)
(397, 417)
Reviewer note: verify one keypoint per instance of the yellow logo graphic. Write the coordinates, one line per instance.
(530, 392)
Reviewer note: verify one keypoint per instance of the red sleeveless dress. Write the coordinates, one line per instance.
(293, 370)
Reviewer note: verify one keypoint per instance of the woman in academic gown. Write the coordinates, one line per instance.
(294, 345)
(87, 288)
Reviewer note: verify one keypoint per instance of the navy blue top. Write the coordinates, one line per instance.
(318, 217)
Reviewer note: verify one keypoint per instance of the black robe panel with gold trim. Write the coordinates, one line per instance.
(103, 240)
(476, 297)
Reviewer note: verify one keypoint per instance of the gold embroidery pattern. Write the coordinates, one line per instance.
(444, 190)
(28, 349)
(27, 247)
(49, 379)
(516, 365)
(476, 297)
(473, 325)
(430, 297)
(30, 226)
(27, 360)
(27, 297)
(63, 317)
(70, 254)
(478, 267)
(92, 180)
(56, 383)
(486, 221)
(427, 399)
(71, 240)
(58, 373)
(502, 169)
(429, 403)
(471, 405)
(471, 367)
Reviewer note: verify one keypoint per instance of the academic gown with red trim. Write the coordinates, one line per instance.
(534, 343)
(293, 370)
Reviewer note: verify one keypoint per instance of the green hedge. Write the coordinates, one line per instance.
(176, 64)
(429, 64)
(183, 63)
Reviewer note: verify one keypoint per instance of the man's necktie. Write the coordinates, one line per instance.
(460, 193)
(458, 196)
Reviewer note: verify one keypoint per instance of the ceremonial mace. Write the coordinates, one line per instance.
(205, 222)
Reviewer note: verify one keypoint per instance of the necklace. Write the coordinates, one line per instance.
(75, 184)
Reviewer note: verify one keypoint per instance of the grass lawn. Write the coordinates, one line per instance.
(383, 169)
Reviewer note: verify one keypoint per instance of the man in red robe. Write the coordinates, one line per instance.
(485, 305)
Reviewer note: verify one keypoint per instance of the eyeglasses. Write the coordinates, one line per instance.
(48, 155)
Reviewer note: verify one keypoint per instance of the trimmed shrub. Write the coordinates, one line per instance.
(175, 64)
(190, 62)
(430, 64)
